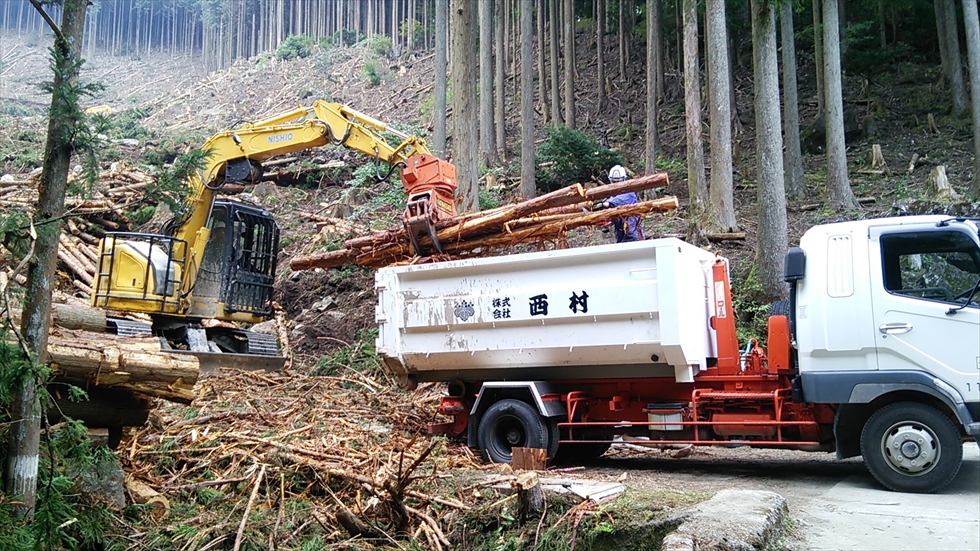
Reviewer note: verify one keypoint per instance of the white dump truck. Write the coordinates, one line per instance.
(876, 352)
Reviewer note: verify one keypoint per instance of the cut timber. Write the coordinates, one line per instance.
(529, 459)
(733, 236)
(530, 496)
(939, 187)
(136, 363)
(915, 159)
(73, 317)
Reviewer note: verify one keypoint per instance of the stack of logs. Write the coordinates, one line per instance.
(544, 218)
(116, 191)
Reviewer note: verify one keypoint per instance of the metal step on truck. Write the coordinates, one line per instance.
(876, 353)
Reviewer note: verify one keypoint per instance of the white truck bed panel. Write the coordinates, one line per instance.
(625, 310)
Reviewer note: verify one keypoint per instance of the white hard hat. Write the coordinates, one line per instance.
(617, 174)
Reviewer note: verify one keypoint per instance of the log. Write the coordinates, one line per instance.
(915, 159)
(733, 236)
(136, 363)
(73, 317)
(75, 266)
(332, 259)
(551, 230)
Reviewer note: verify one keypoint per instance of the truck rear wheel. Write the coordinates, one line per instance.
(509, 424)
(911, 447)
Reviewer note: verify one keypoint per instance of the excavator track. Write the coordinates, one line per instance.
(262, 355)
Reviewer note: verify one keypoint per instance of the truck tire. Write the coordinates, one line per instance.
(511, 424)
(911, 447)
(779, 308)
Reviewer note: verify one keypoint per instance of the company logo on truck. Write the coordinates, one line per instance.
(279, 138)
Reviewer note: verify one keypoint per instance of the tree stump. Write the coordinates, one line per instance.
(939, 188)
(528, 459)
(530, 496)
(878, 159)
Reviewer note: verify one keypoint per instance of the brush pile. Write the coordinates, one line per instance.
(274, 458)
(546, 218)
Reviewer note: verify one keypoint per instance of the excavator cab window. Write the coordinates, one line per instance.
(253, 245)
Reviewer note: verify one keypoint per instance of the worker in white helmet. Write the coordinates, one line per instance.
(631, 227)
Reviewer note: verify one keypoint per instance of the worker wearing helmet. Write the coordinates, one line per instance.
(631, 227)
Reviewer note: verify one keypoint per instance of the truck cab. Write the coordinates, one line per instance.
(886, 321)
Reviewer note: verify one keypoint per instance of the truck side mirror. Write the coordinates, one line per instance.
(795, 265)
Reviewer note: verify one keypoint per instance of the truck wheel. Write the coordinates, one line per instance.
(911, 447)
(511, 424)
(779, 308)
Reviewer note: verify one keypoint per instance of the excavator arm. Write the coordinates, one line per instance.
(236, 155)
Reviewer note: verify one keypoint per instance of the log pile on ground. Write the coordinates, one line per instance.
(118, 189)
(546, 218)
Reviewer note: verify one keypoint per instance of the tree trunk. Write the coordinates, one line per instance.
(621, 34)
(658, 44)
(952, 38)
(793, 161)
(600, 54)
(568, 24)
(439, 133)
(772, 242)
(64, 118)
(818, 55)
(542, 79)
(972, 25)
(487, 151)
(527, 100)
(697, 187)
(943, 44)
(839, 194)
(721, 209)
(553, 47)
(652, 137)
(499, 77)
(463, 17)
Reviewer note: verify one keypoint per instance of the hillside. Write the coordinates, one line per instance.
(333, 438)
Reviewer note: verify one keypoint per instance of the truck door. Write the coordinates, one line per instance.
(925, 302)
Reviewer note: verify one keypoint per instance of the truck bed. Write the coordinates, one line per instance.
(612, 311)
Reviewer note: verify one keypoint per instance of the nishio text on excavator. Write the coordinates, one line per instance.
(218, 261)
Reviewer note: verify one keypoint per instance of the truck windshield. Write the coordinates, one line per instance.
(935, 265)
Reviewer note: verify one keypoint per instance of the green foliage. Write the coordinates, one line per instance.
(142, 215)
(380, 44)
(751, 309)
(343, 37)
(362, 176)
(170, 186)
(861, 51)
(571, 156)
(414, 31)
(359, 356)
(490, 198)
(15, 231)
(296, 46)
(371, 71)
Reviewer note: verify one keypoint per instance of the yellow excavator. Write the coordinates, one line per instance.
(218, 261)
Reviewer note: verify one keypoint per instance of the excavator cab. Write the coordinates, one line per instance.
(239, 263)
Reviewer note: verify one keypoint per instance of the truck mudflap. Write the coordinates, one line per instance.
(862, 387)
